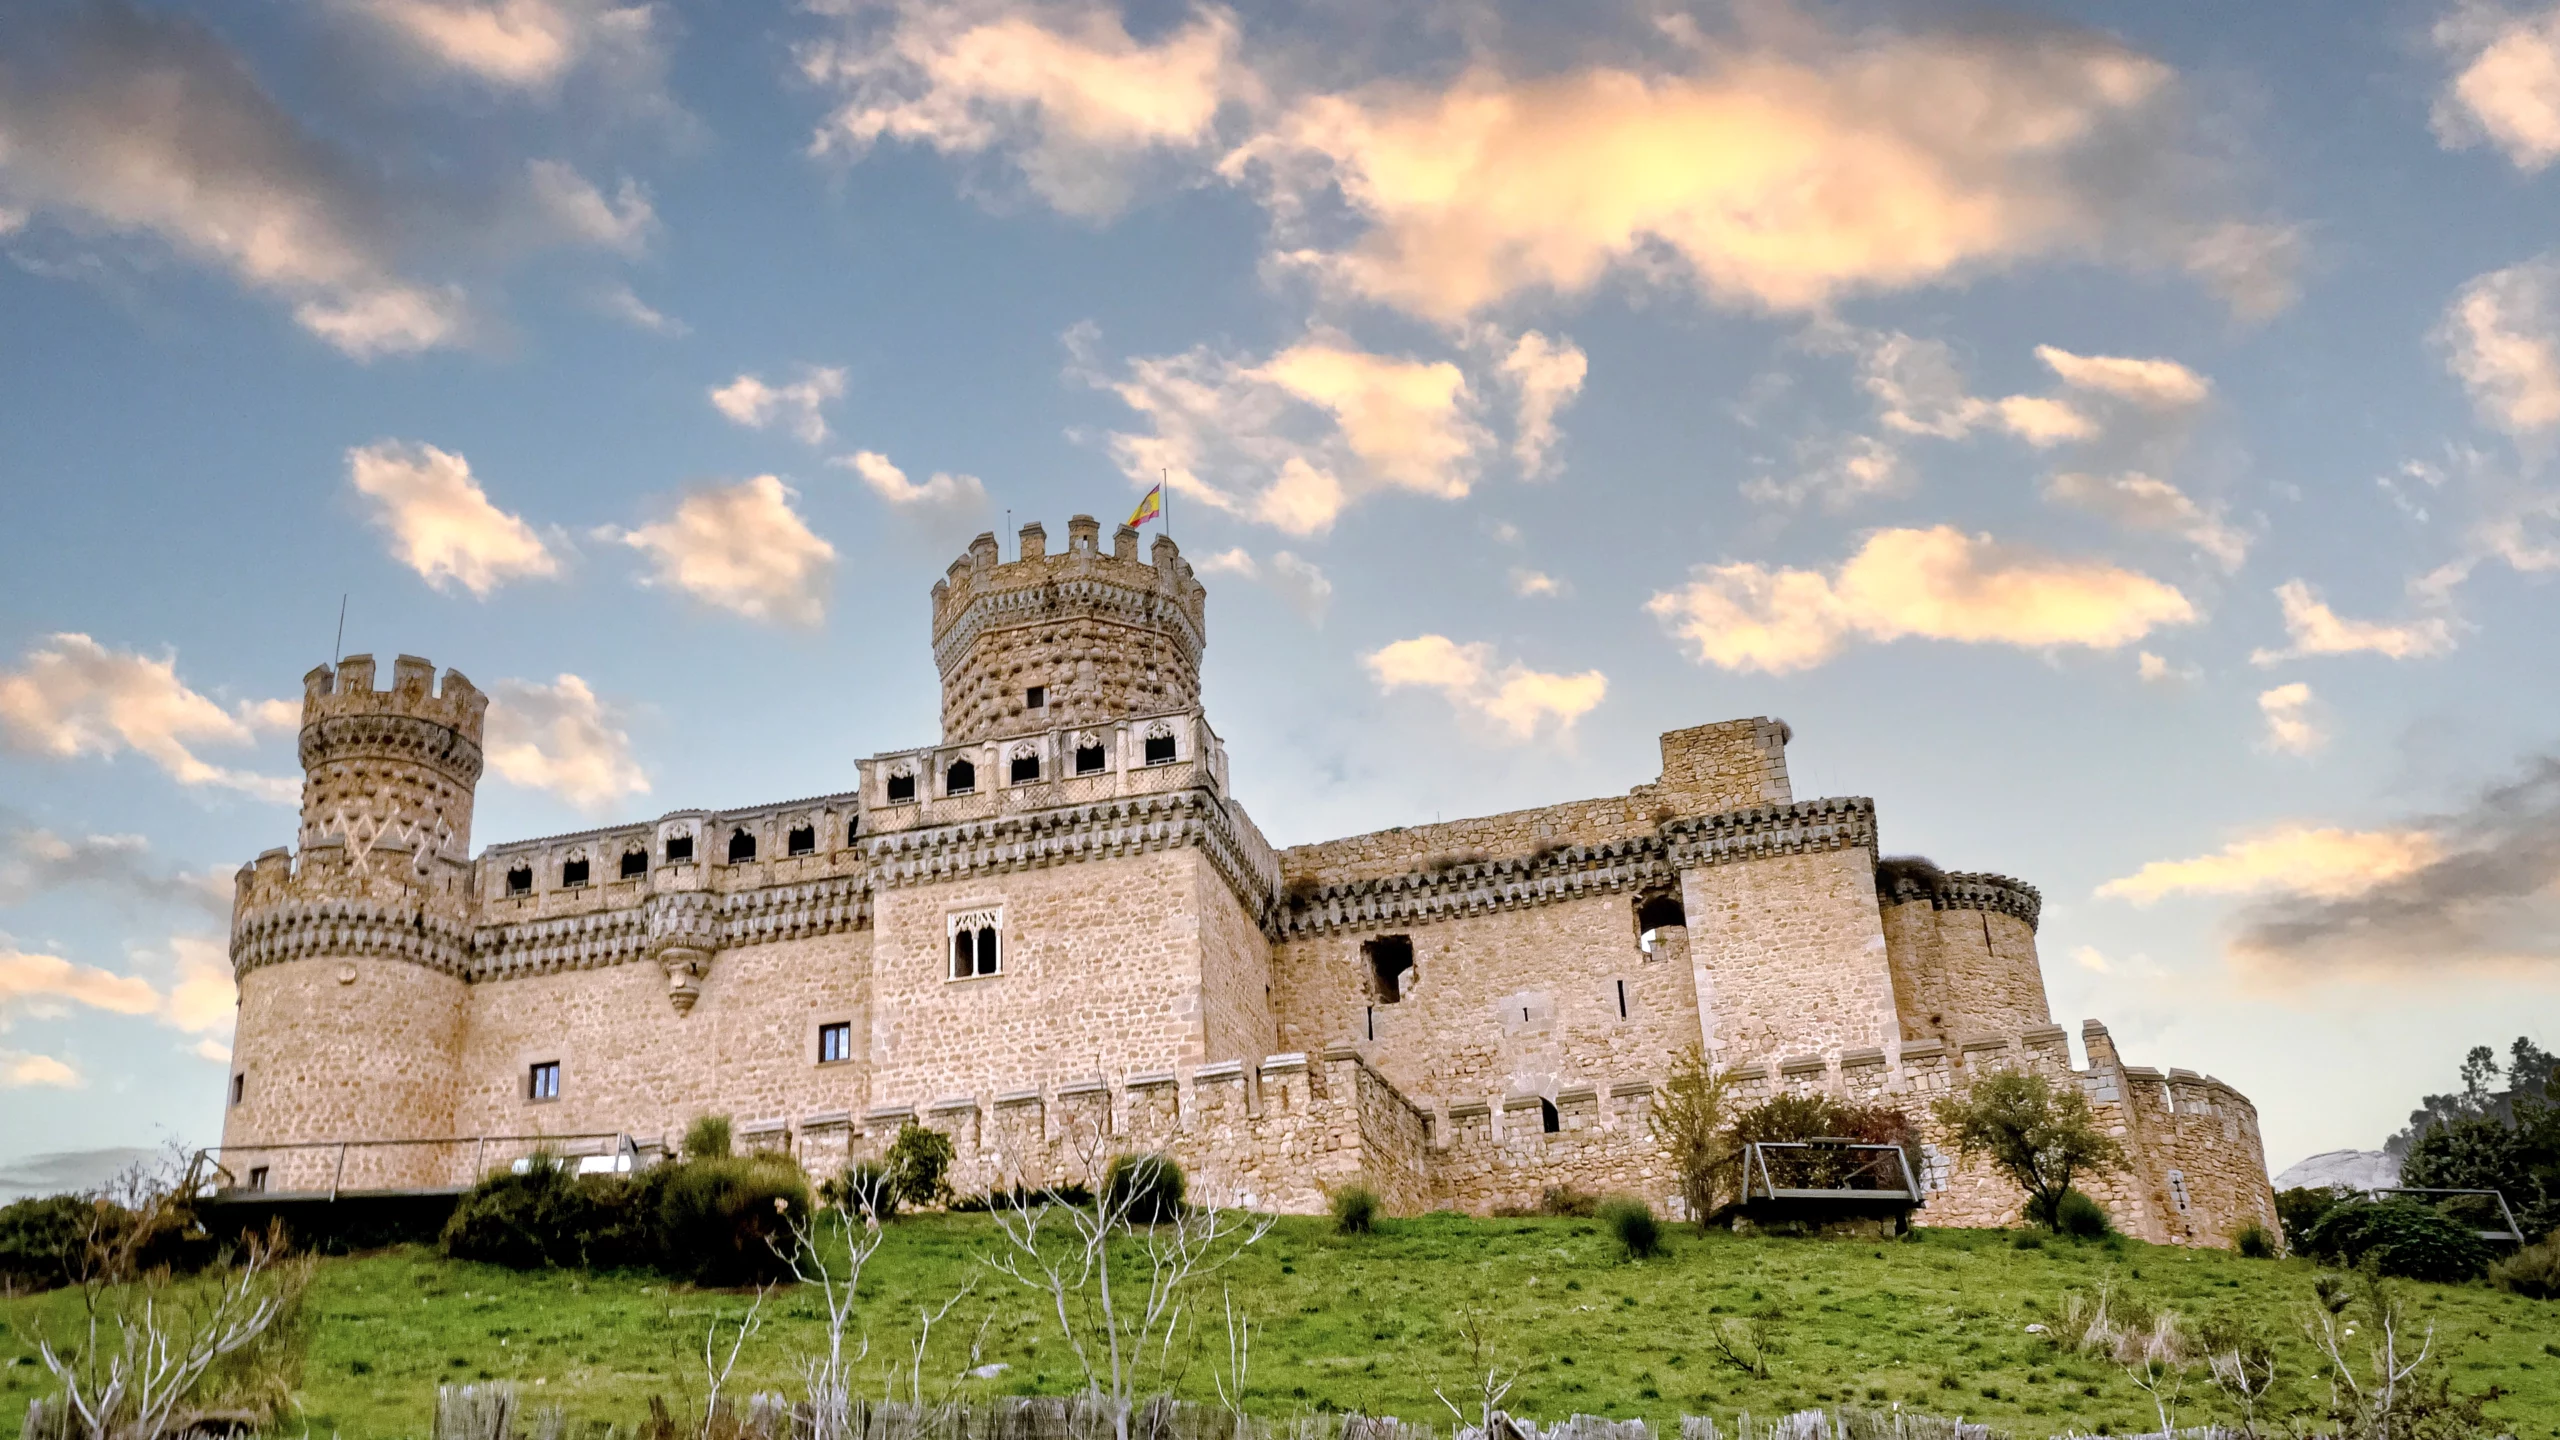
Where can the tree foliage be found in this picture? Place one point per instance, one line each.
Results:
(1691, 1119)
(2507, 1140)
(2040, 1137)
(919, 1165)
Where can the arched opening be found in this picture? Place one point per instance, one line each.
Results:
(853, 829)
(1548, 1119)
(520, 880)
(1089, 760)
(635, 863)
(679, 849)
(742, 846)
(1026, 768)
(1390, 962)
(960, 779)
(964, 954)
(902, 789)
(1160, 750)
(573, 872)
(987, 954)
(803, 840)
(1656, 913)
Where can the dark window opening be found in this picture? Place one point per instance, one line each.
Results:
(1390, 961)
(1036, 696)
(960, 779)
(835, 1042)
(742, 846)
(1622, 999)
(803, 840)
(1658, 911)
(1089, 759)
(987, 950)
(902, 789)
(853, 829)
(573, 872)
(1373, 1021)
(1548, 1119)
(635, 863)
(239, 1088)
(257, 1177)
(543, 1082)
(1159, 749)
(964, 956)
(1026, 768)
(679, 849)
(520, 880)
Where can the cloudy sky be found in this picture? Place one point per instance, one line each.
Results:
(2118, 439)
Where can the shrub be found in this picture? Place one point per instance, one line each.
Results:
(1632, 1221)
(2080, 1217)
(919, 1164)
(2036, 1133)
(1147, 1188)
(2533, 1272)
(1568, 1202)
(720, 1220)
(865, 1188)
(2399, 1237)
(707, 1138)
(2300, 1208)
(1689, 1120)
(547, 1217)
(2254, 1241)
(1355, 1210)
(43, 1241)
(1024, 1197)
(1820, 1117)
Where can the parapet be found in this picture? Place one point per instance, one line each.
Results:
(983, 587)
(1730, 765)
(1907, 881)
(348, 691)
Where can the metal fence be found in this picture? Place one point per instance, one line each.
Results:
(330, 1168)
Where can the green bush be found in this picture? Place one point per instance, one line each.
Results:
(546, 1217)
(2081, 1218)
(2533, 1272)
(2253, 1241)
(2300, 1208)
(1568, 1202)
(1355, 1210)
(919, 1165)
(728, 1221)
(42, 1241)
(1148, 1188)
(1633, 1222)
(707, 1138)
(2401, 1238)
(865, 1188)
(1024, 1197)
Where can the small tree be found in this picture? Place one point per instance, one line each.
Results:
(919, 1165)
(2037, 1136)
(1690, 1120)
(707, 1138)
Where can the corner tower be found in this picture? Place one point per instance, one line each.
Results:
(1072, 638)
(350, 953)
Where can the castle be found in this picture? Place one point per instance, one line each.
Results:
(1056, 933)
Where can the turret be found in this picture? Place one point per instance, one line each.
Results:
(1064, 638)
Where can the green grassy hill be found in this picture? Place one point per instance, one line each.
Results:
(1373, 1323)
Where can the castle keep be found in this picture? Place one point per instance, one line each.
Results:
(1056, 934)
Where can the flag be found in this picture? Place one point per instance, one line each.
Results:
(1149, 508)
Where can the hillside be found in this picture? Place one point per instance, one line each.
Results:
(1374, 1323)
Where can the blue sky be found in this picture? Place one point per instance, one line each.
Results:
(2118, 439)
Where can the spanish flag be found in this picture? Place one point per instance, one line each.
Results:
(1149, 508)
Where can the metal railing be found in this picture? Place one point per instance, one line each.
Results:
(1825, 1169)
(2512, 1235)
(406, 1164)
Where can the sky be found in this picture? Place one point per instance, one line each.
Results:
(2117, 439)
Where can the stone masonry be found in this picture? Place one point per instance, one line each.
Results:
(1055, 935)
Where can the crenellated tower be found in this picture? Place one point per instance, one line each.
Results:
(1076, 637)
(350, 952)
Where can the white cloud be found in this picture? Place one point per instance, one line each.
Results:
(208, 1048)
(203, 995)
(1514, 699)
(2315, 629)
(2291, 727)
(582, 213)
(45, 984)
(945, 503)
(751, 402)
(1235, 560)
(1936, 584)
(2143, 502)
(36, 861)
(2154, 670)
(21, 1070)
(440, 521)
(2153, 384)
(1300, 583)
(1835, 471)
(517, 44)
(1062, 90)
(72, 696)
(2043, 421)
(1545, 375)
(742, 548)
(620, 302)
(1781, 175)
(559, 737)
(1537, 584)
(2506, 88)
(2501, 339)
(2089, 957)
(2324, 862)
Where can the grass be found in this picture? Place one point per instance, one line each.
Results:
(1371, 1323)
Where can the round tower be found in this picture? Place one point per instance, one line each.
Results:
(1048, 641)
(350, 954)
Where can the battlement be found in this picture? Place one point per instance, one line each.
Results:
(981, 576)
(1909, 881)
(347, 691)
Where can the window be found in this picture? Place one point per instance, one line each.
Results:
(1160, 749)
(1390, 961)
(573, 872)
(742, 846)
(835, 1042)
(679, 849)
(520, 880)
(977, 945)
(1548, 1119)
(239, 1087)
(1026, 768)
(803, 840)
(853, 829)
(257, 1177)
(902, 789)
(2178, 1189)
(960, 779)
(1036, 697)
(543, 1081)
(1089, 759)
(1654, 914)
(635, 863)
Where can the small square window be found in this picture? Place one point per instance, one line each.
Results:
(835, 1042)
(1160, 750)
(1026, 769)
(803, 840)
(239, 1088)
(902, 789)
(573, 873)
(257, 1177)
(520, 880)
(1090, 760)
(679, 849)
(543, 1083)
(1036, 697)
